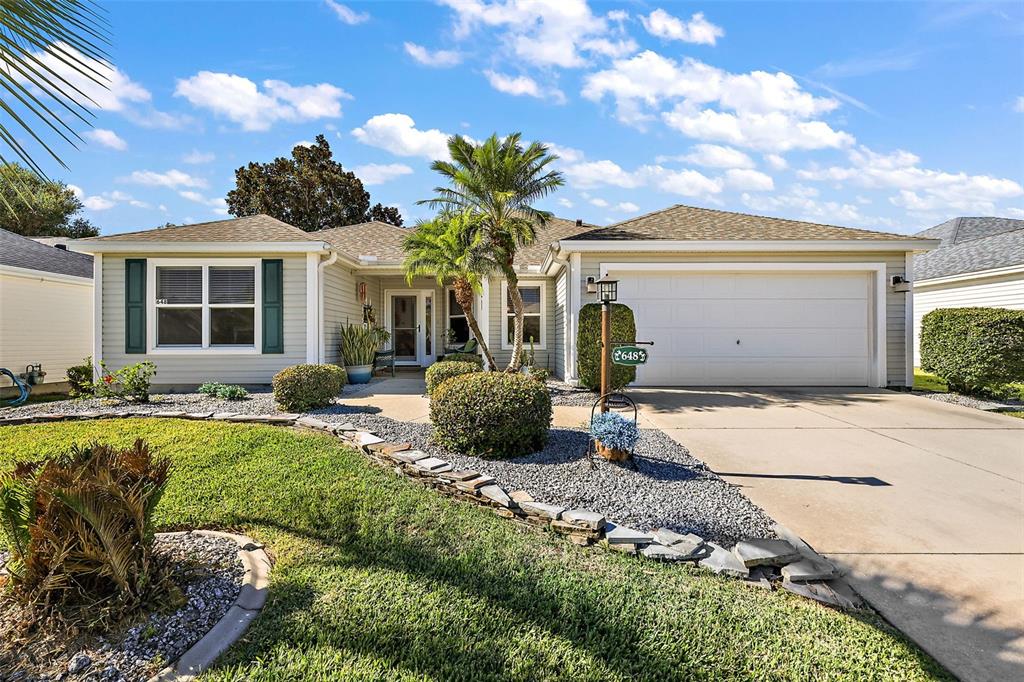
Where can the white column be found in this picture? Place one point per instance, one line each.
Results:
(908, 318)
(312, 307)
(97, 313)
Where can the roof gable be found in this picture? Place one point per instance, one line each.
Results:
(22, 252)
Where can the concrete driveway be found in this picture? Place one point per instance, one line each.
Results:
(923, 502)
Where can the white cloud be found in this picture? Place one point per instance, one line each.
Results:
(437, 58)
(565, 154)
(115, 91)
(1018, 105)
(747, 179)
(544, 32)
(196, 157)
(76, 190)
(346, 14)
(689, 183)
(698, 30)
(627, 207)
(98, 203)
(776, 161)
(918, 189)
(716, 156)
(173, 178)
(1014, 213)
(800, 206)
(303, 143)
(599, 202)
(397, 133)
(599, 174)
(607, 173)
(565, 203)
(240, 100)
(107, 138)
(218, 204)
(522, 85)
(379, 173)
(773, 131)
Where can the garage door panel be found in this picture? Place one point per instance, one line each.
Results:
(794, 329)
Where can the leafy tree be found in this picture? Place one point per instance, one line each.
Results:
(448, 248)
(40, 208)
(498, 181)
(310, 191)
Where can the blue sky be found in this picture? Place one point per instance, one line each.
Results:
(891, 116)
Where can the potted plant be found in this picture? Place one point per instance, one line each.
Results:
(359, 345)
(614, 436)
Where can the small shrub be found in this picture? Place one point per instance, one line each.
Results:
(615, 431)
(976, 350)
(538, 374)
(80, 379)
(588, 343)
(439, 372)
(79, 528)
(223, 391)
(130, 383)
(464, 357)
(494, 414)
(302, 387)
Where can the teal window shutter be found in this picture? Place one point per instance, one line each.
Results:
(273, 305)
(134, 305)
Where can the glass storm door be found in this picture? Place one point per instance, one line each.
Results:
(405, 328)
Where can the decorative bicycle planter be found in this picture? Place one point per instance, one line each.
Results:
(612, 436)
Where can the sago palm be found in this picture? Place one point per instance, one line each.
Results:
(448, 249)
(499, 181)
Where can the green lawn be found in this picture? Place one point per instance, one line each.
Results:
(378, 578)
(924, 381)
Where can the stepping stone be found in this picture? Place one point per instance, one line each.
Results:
(807, 570)
(761, 576)
(520, 496)
(473, 484)
(431, 464)
(409, 456)
(495, 493)
(190, 415)
(662, 553)
(549, 511)
(584, 519)
(365, 438)
(833, 593)
(279, 419)
(314, 423)
(677, 541)
(765, 552)
(619, 535)
(724, 562)
(347, 426)
(390, 448)
(223, 416)
(98, 415)
(624, 547)
(462, 475)
(250, 418)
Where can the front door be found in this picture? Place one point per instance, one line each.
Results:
(405, 328)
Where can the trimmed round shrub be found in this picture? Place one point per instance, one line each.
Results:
(976, 350)
(492, 414)
(588, 344)
(464, 357)
(439, 372)
(302, 387)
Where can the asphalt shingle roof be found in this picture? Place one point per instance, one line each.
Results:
(690, 223)
(22, 252)
(971, 245)
(254, 228)
(374, 238)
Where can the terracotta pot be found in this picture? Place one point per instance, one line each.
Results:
(611, 454)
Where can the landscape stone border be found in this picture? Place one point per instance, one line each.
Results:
(230, 628)
(788, 563)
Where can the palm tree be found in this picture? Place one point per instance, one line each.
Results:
(447, 248)
(67, 33)
(498, 181)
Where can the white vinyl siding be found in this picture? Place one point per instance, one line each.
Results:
(1006, 291)
(342, 306)
(197, 367)
(558, 326)
(44, 321)
(895, 263)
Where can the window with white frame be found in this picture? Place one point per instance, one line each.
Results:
(205, 304)
(457, 321)
(533, 294)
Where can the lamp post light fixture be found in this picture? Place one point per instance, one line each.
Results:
(607, 290)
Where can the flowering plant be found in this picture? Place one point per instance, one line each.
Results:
(614, 431)
(130, 383)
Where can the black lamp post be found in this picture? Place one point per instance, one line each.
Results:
(607, 292)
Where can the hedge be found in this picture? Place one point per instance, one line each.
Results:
(588, 345)
(464, 357)
(439, 372)
(493, 414)
(301, 387)
(976, 350)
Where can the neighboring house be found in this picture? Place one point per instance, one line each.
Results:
(980, 262)
(728, 299)
(45, 308)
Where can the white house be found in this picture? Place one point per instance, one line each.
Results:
(979, 263)
(45, 308)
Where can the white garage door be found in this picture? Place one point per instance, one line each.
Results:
(752, 328)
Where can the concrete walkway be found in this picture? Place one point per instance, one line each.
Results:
(922, 501)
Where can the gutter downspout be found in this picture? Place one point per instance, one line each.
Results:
(322, 346)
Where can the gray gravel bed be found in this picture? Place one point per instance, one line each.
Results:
(209, 574)
(976, 403)
(567, 394)
(669, 487)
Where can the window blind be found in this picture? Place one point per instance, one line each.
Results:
(179, 285)
(232, 285)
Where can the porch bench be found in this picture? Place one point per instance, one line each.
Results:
(383, 359)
